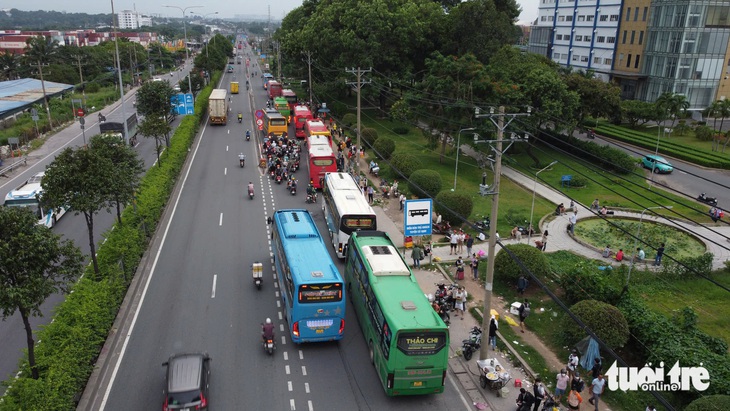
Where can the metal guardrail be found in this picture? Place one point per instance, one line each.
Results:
(19, 162)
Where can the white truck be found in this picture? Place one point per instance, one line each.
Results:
(28, 195)
(217, 107)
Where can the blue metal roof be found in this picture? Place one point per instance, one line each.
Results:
(17, 95)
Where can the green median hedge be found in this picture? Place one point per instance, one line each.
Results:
(668, 147)
(68, 347)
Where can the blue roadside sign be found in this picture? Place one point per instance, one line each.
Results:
(183, 104)
(417, 216)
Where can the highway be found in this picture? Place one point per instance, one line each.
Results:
(70, 226)
(199, 296)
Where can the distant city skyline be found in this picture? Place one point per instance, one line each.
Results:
(279, 8)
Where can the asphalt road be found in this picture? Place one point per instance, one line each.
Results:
(686, 179)
(201, 297)
(70, 226)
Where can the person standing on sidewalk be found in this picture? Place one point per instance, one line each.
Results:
(493, 327)
(370, 194)
(459, 268)
(452, 242)
(460, 242)
(539, 392)
(573, 360)
(573, 219)
(597, 387)
(561, 384)
(659, 255)
(460, 298)
(417, 255)
(475, 266)
(401, 201)
(524, 313)
(469, 244)
(544, 240)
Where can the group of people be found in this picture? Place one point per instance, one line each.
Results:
(638, 257)
(281, 153)
(458, 240)
(716, 214)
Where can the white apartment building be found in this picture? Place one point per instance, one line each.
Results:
(130, 19)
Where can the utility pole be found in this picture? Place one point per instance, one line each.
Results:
(309, 65)
(358, 86)
(501, 126)
(119, 72)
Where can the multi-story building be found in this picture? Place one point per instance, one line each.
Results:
(131, 19)
(647, 47)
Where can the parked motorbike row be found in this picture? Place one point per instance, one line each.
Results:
(442, 300)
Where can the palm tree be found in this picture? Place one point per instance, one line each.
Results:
(719, 108)
(672, 105)
(9, 65)
(41, 50)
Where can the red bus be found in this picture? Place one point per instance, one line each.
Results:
(291, 98)
(317, 128)
(301, 116)
(318, 140)
(321, 161)
(275, 89)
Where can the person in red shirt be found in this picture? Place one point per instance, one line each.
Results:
(620, 255)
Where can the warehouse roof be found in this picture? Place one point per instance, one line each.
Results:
(18, 95)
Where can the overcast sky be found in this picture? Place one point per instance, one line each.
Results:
(279, 8)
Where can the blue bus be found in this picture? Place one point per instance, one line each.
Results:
(311, 286)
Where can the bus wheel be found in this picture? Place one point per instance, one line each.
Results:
(371, 352)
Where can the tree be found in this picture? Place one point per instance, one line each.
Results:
(153, 102)
(9, 65)
(405, 163)
(157, 128)
(83, 181)
(127, 168)
(425, 183)
(34, 263)
(605, 320)
(453, 206)
(671, 105)
(719, 108)
(40, 50)
(384, 147)
(597, 97)
(637, 112)
(718, 402)
(507, 269)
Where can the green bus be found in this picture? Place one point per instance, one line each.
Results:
(407, 341)
(282, 106)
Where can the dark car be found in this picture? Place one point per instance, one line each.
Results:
(188, 379)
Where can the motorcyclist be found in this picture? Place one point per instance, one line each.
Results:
(248, 134)
(240, 117)
(267, 330)
(246, 84)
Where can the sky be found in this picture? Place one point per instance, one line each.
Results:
(279, 8)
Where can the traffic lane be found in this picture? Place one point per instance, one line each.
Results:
(686, 179)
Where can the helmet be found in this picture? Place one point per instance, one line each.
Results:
(268, 321)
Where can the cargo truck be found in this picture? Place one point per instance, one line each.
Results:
(234, 87)
(110, 126)
(217, 110)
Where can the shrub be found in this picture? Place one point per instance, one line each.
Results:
(384, 147)
(400, 130)
(584, 279)
(454, 207)
(425, 183)
(578, 182)
(506, 269)
(369, 136)
(704, 133)
(710, 403)
(605, 320)
(92, 87)
(349, 120)
(405, 163)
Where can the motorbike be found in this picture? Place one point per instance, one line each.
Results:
(483, 224)
(293, 190)
(269, 346)
(442, 228)
(248, 136)
(240, 119)
(241, 161)
(444, 295)
(278, 178)
(257, 269)
(311, 198)
(473, 343)
(250, 193)
(706, 199)
(591, 134)
(374, 169)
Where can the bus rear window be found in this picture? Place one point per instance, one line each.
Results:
(323, 161)
(421, 343)
(320, 293)
(278, 122)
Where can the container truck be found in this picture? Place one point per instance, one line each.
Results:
(217, 110)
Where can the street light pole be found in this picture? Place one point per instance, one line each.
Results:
(119, 72)
(458, 148)
(532, 209)
(636, 244)
(185, 33)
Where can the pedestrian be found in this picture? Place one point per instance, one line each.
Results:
(597, 368)
(475, 266)
(561, 385)
(524, 400)
(460, 242)
(522, 284)
(577, 384)
(640, 255)
(493, 327)
(370, 194)
(459, 268)
(573, 360)
(417, 255)
(606, 252)
(597, 387)
(469, 244)
(460, 298)
(452, 242)
(401, 202)
(572, 206)
(539, 393)
(573, 219)
(620, 255)
(595, 205)
(517, 234)
(544, 240)
(524, 312)
(659, 255)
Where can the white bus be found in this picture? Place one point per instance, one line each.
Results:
(28, 195)
(345, 209)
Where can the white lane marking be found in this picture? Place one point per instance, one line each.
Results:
(288, 371)
(301, 354)
(283, 340)
(278, 304)
(311, 407)
(281, 327)
(292, 407)
(149, 279)
(304, 370)
(290, 386)
(226, 148)
(220, 220)
(286, 356)
(280, 316)
(306, 387)
(215, 280)
(225, 171)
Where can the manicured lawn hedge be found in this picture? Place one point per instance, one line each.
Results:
(67, 349)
